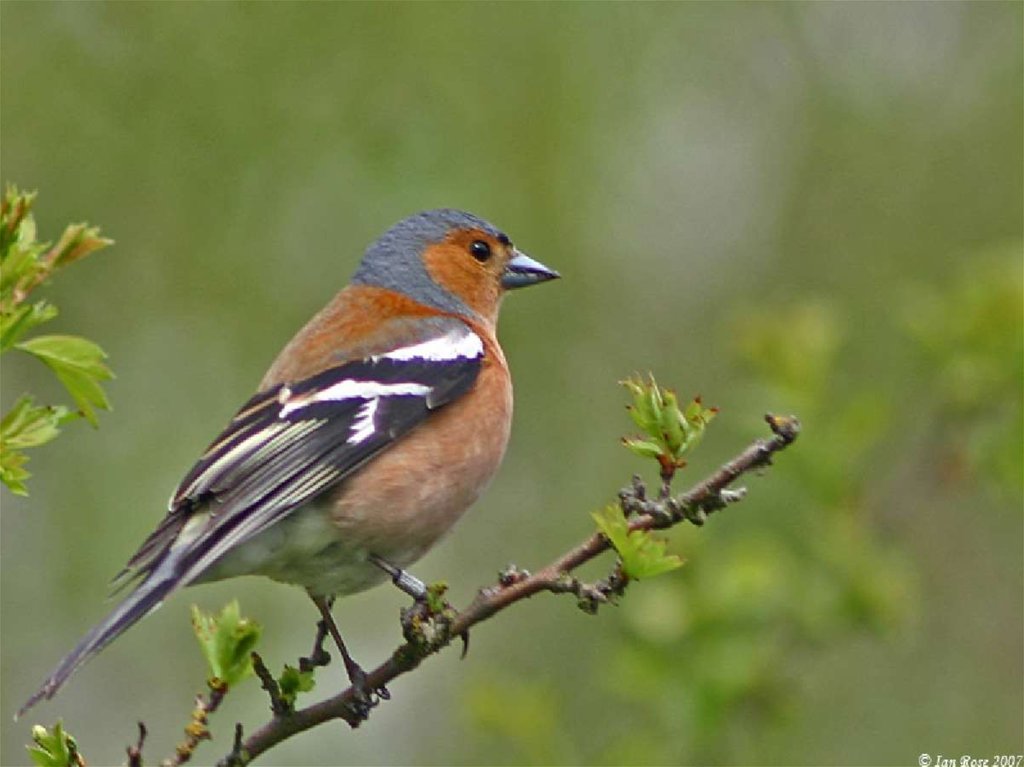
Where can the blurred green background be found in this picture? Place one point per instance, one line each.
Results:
(808, 208)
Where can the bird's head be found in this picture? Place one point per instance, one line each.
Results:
(450, 260)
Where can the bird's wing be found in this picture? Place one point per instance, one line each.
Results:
(295, 440)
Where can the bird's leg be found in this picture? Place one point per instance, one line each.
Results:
(406, 582)
(356, 675)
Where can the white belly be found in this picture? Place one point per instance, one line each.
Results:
(302, 549)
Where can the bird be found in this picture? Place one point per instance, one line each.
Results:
(380, 422)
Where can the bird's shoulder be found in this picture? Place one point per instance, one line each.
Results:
(363, 321)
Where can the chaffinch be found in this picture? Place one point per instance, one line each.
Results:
(376, 427)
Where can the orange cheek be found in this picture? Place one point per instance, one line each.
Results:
(454, 270)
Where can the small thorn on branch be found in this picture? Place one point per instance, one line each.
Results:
(277, 703)
(714, 502)
(238, 757)
(135, 750)
(590, 596)
(733, 496)
(639, 488)
(695, 514)
(512, 575)
(633, 501)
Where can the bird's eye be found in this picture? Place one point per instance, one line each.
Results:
(481, 250)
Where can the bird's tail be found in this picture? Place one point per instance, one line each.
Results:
(146, 597)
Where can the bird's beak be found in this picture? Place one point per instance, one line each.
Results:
(522, 271)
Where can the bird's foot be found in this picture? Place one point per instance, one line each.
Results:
(364, 696)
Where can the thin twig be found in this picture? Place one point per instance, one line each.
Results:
(426, 634)
(196, 731)
(135, 750)
(237, 757)
(277, 704)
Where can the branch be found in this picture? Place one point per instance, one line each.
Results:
(196, 731)
(427, 631)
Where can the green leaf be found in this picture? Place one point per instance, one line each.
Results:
(649, 557)
(30, 425)
(227, 641)
(645, 410)
(292, 682)
(22, 319)
(16, 227)
(54, 749)
(26, 263)
(435, 597)
(642, 555)
(673, 424)
(612, 523)
(642, 448)
(19, 251)
(655, 402)
(11, 472)
(78, 364)
(669, 431)
(26, 425)
(20, 266)
(78, 241)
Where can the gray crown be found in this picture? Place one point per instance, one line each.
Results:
(395, 260)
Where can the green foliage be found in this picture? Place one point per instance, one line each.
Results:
(670, 432)
(796, 354)
(227, 641)
(525, 714)
(26, 425)
(969, 345)
(436, 602)
(55, 748)
(25, 265)
(795, 348)
(642, 555)
(850, 578)
(22, 319)
(78, 364)
(293, 681)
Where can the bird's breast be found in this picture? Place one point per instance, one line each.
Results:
(409, 496)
